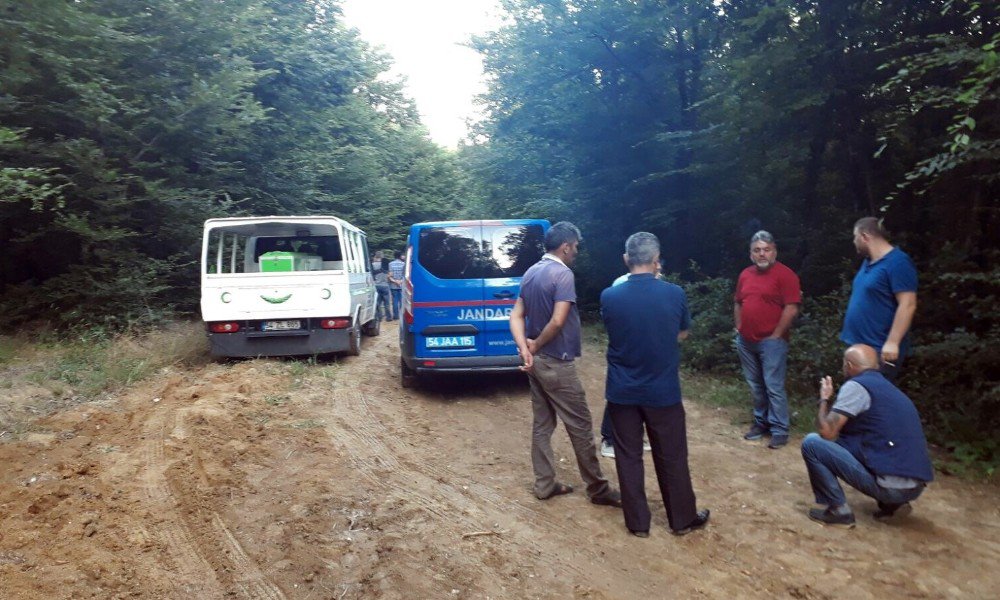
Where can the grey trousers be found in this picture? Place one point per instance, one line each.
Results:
(556, 391)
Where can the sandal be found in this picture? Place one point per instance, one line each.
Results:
(558, 490)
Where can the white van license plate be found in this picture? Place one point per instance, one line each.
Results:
(462, 341)
(280, 325)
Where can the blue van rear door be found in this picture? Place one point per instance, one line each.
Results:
(446, 275)
(509, 248)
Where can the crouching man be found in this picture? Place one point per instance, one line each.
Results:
(870, 437)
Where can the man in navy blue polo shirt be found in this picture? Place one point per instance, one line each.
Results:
(883, 298)
(645, 318)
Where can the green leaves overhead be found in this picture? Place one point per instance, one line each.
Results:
(123, 125)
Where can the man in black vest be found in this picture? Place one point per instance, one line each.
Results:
(870, 437)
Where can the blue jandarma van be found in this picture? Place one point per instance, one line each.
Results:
(462, 279)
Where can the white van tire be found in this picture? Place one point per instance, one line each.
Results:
(372, 328)
(354, 349)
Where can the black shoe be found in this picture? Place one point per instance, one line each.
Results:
(756, 432)
(777, 441)
(890, 511)
(828, 517)
(699, 521)
(612, 498)
(639, 534)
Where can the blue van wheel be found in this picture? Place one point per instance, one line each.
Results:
(407, 376)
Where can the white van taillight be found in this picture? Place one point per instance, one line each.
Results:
(335, 323)
(226, 327)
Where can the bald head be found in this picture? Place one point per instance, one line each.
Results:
(858, 358)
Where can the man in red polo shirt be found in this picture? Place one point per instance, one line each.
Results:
(767, 301)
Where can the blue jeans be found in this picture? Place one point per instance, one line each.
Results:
(764, 364)
(397, 299)
(382, 310)
(826, 461)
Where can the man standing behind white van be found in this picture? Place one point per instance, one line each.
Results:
(396, 268)
(545, 325)
(380, 273)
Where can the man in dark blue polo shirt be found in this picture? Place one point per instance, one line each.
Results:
(883, 298)
(645, 318)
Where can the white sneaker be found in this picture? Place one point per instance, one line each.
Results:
(646, 446)
(607, 449)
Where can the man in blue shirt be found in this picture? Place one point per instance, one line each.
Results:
(883, 298)
(645, 319)
(396, 269)
(545, 324)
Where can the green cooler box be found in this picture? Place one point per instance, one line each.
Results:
(286, 262)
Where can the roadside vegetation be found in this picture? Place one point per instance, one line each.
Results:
(48, 371)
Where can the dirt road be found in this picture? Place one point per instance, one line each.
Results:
(275, 479)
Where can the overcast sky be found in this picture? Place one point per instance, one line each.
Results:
(425, 39)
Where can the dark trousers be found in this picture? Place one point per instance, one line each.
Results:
(668, 437)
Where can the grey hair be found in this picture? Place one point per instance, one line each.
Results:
(641, 248)
(561, 233)
(762, 236)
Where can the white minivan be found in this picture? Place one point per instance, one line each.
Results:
(286, 286)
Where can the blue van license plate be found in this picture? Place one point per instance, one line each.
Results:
(462, 341)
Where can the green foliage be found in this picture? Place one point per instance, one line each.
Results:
(125, 125)
(710, 346)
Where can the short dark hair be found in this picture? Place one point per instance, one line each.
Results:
(641, 248)
(561, 233)
(872, 226)
(399, 254)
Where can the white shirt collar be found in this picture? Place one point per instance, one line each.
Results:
(551, 256)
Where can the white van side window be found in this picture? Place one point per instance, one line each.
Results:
(359, 253)
(349, 247)
(367, 256)
(225, 252)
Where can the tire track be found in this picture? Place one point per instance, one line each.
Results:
(250, 579)
(190, 555)
(172, 533)
(368, 438)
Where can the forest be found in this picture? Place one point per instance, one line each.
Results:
(124, 125)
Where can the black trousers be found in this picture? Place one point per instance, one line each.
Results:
(668, 437)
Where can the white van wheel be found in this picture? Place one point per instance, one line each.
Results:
(355, 343)
(373, 328)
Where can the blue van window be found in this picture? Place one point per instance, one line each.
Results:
(511, 249)
(450, 252)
